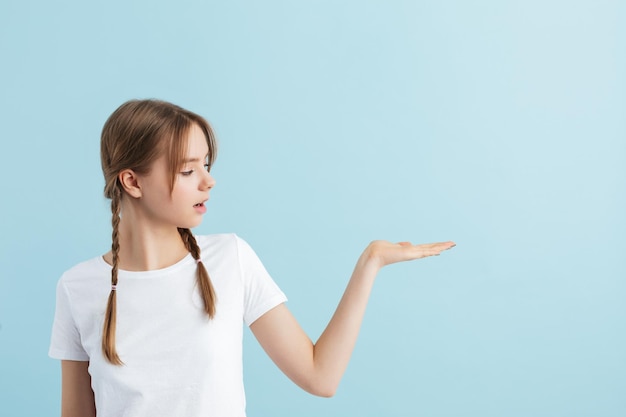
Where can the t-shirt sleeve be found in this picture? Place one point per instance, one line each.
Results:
(65, 341)
(261, 293)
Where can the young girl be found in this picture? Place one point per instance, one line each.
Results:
(154, 327)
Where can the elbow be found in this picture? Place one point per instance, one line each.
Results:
(322, 390)
(326, 393)
(320, 384)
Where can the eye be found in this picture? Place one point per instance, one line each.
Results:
(207, 166)
(187, 173)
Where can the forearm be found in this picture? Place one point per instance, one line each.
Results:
(318, 367)
(333, 349)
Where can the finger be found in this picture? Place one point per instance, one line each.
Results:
(423, 252)
(434, 249)
(441, 245)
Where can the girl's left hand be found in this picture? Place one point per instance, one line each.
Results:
(318, 367)
(382, 253)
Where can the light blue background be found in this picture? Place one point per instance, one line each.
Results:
(498, 124)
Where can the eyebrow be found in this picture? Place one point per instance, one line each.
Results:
(187, 160)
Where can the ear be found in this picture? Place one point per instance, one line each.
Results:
(130, 183)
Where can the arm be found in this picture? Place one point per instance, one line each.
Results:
(77, 398)
(318, 368)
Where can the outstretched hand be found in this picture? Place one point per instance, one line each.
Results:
(318, 367)
(384, 253)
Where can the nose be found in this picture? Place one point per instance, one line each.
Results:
(208, 181)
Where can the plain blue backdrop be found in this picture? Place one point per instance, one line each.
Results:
(498, 124)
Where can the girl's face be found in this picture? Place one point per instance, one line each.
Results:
(184, 205)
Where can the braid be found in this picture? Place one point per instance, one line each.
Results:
(202, 276)
(135, 135)
(108, 332)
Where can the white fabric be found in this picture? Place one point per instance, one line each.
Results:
(177, 362)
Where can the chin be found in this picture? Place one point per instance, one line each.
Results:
(190, 225)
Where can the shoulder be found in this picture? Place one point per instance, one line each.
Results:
(224, 245)
(85, 279)
(217, 242)
(221, 241)
(218, 246)
(94, 267)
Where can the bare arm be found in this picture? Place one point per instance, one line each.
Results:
(318, 368)
(77, 398)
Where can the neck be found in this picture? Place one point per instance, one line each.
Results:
(145, 247)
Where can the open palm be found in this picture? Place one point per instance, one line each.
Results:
(386, 253)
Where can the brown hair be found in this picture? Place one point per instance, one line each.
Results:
(133, 137)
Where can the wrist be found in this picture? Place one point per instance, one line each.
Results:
(369, 261)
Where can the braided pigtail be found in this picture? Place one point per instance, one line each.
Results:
(108, 332)
(202, 276)
(135, 135)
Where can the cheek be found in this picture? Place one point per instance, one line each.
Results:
(158, 196)
(182, 190)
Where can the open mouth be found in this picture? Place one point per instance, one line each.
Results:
(198, 205)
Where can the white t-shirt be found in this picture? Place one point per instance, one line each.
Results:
(177, 362)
